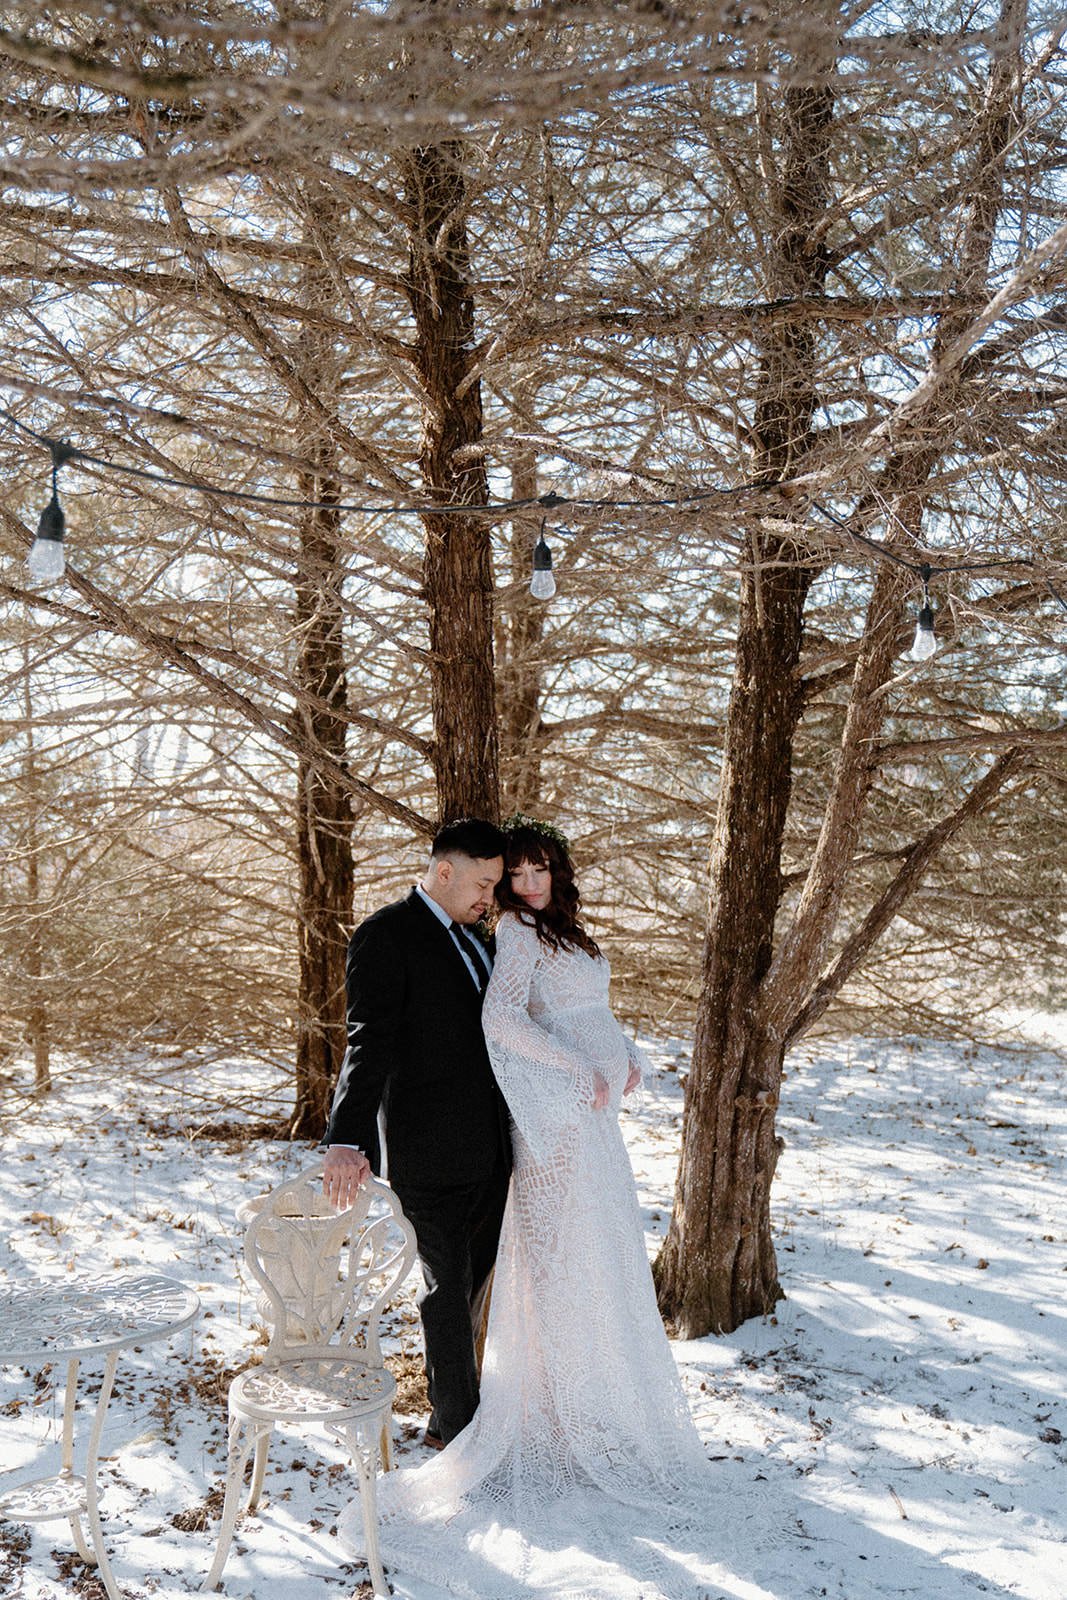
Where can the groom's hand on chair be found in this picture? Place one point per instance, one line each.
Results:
(344, 1172)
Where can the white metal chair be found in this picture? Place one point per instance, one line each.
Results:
(325, 1277)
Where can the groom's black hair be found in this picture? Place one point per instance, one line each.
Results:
(470, 836)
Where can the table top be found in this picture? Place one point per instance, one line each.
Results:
(45, 1319)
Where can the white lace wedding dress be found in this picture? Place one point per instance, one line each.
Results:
(582, 1475)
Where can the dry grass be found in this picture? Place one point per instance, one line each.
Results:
(410, 1374)
(198, 1518)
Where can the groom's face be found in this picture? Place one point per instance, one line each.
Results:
(465, 886)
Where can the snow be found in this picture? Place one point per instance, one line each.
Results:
(902, 1413)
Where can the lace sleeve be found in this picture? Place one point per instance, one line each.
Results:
(637, 1058)
(544, 1081)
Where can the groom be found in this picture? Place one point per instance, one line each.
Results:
(415, 979)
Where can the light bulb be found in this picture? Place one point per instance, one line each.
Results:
(925, 642)
(542, 584)
(45, 560)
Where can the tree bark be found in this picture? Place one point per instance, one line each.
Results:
(323, 801)
(519, 679)
(457, 567)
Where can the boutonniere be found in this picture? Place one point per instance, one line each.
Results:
(482, 932)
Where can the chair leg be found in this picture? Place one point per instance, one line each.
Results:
(259, 1465)
(78, 1535)
(236, 1455)
(364, 1446)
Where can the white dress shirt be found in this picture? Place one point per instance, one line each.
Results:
(471, 949)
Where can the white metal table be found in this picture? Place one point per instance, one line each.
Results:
(48, 1321)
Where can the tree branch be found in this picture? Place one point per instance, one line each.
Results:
(119, 619)
(907, 880)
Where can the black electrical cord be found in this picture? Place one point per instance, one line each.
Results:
(63, 451)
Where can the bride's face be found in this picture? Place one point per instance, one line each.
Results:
(532, 882)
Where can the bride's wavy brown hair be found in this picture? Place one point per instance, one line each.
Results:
(557, 925)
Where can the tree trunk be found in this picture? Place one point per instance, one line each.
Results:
(457, 568)
(803, 948)
(323, 809)
(519, 678)
(717, 1266)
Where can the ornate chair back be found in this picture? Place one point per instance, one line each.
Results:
(325, 1275)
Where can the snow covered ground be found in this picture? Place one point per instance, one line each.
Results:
(902, 1415)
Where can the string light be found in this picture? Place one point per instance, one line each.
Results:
(46, 560)
(542, 583)
(924, 644)
(547, 502)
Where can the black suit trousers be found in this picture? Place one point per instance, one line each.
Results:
(458, 1230)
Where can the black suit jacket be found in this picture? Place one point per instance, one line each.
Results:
(415, 1047)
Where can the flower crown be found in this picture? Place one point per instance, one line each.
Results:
(548, 830)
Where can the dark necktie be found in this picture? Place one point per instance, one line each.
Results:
(474, 955)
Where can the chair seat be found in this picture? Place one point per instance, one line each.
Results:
(313, 1390)
(45, 1499)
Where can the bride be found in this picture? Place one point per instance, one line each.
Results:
(581, 1473)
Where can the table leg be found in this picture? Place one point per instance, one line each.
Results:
(70, 1406)
(91, 1495)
